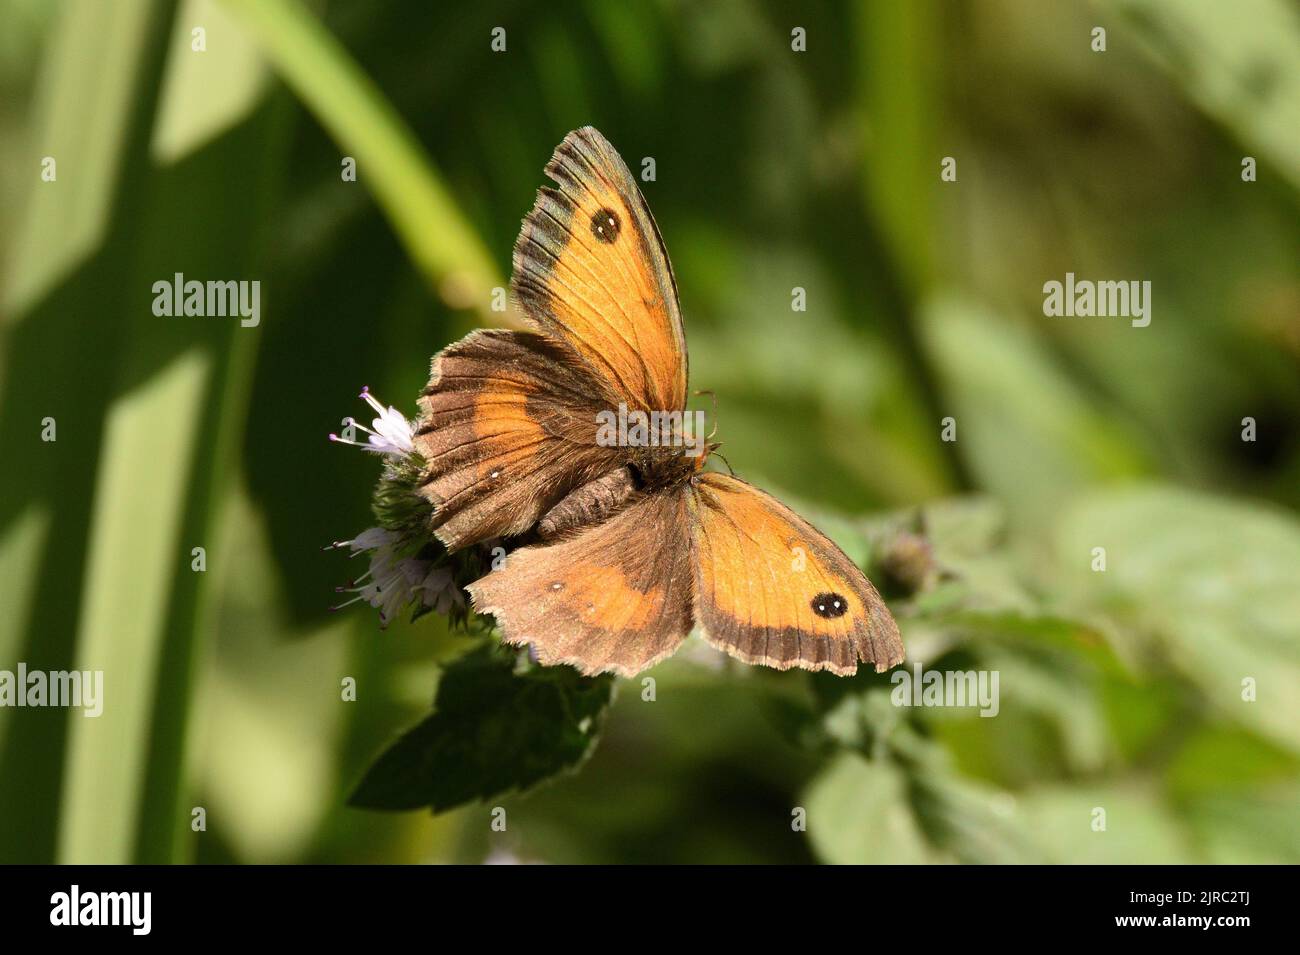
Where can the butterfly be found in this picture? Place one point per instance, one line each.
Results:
(623, 549)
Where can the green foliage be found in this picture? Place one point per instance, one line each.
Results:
(1128, 690)
(1212, 588)
(1235, 62)
(500, 724)
(1197, 592)
(310, 60)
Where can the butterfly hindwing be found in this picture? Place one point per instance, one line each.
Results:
(591, 271)
(772, 589)
(613, 597)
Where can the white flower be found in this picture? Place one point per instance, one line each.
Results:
(371, 539)
(390, 433)
(439, 592)
(391, 583)
(387, 582)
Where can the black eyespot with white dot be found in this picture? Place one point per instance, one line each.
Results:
(605, 225)
(829, 605)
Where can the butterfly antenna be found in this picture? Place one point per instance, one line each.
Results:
(726, 462)
(713, 413)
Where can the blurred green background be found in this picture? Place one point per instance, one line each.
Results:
(776, 169)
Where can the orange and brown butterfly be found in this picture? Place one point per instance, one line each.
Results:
(622, 550)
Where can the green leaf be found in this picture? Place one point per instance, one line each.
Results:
(1068, 639)
(858, 813)
(1140, 828)
(976, 823)
(906, 804)
(1228, 758)
(1236, 61)
(495, 729)
(1213, 582)
(1048, 717)
(1033, 453)
(1256, 827)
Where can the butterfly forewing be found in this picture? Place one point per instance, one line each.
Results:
(506, 431)
(590, 270)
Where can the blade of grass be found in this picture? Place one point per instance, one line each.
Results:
(204, 129)
(82, 109)
(133, 561)
(20, 548)
(67, 348)
(206, 94)
(390, 160)
(899, 82)
(900, 46)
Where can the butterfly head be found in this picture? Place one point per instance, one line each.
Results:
(703, 458)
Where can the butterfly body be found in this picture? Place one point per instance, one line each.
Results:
(626, 546)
